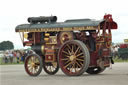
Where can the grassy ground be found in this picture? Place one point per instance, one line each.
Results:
(120, 60)
(2, 63)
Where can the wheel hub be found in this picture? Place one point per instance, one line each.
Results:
(72, 57)
(32, 64)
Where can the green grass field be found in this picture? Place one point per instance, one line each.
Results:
(2, 63)
(0, 60)
(120, 60)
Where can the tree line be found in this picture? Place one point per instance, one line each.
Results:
(6, 45)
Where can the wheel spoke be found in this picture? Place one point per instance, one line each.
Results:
(67, 56)
(73, 66)
(65, 52)
(36, 59)
(79, 59)
(76, 68)
(72, 49)
(32, 59)
(67, 65)
(30, 69)
(69, 47)
(50, 69)
(79, 54)
(37, 67)
(69, 51)
(81, 64)
(28, 65)
(37, 64)
(33, 70)
(77, 50)
(65, 59)
(36, 70)
(78, 64)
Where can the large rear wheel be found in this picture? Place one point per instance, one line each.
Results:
(74, 58)
(33, 65)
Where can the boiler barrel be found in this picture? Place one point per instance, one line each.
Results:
(39, 49)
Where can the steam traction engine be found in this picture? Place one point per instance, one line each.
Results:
(75, 46)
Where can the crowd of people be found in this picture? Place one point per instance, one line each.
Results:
(15, 56)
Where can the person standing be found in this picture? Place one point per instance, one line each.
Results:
(116, 51)
(11, 56)
(5, 59)
(14, 57)
(18, 56)
(112, 54)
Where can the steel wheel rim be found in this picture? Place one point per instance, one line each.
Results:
(72, 58)
(32, 65)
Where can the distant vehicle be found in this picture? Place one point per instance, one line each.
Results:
(123, 51)
(76, 46)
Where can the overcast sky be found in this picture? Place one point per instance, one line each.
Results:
(15, 12)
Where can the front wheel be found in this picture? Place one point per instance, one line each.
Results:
(33, 65)
(74, 58)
